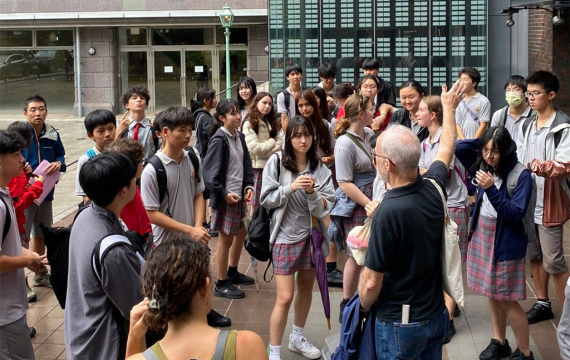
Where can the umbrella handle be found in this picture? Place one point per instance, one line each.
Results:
(314, 221)
(329, 323)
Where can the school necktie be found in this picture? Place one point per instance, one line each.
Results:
(136, 131)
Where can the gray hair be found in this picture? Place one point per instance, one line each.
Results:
(402, 146)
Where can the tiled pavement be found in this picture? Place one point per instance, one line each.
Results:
(253, 312)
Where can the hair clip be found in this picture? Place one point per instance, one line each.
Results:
(157, 301)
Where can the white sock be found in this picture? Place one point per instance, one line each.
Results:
(297, 332)
(274, 352)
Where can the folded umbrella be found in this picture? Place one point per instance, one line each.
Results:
(317, 240)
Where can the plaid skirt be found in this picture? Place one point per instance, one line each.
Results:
(257, 174)
(228, 218)
(461, 218)
(498, 280)
(358, 216)
(290, 258)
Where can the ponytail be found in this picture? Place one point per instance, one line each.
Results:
(340, 127)
(197, 102)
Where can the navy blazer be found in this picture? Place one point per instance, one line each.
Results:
(215, 167)
(510, 237)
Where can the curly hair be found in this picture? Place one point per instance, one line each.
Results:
(132, 148)
(135, 90)
(175, 271)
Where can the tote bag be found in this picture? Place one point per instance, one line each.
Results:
(452, 277)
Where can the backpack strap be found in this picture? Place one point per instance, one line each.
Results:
(359, 145)
(7, 220)
(161, 177)
(503, 117)
(271, 216)
(221, 344)
(195, 163)
(513, 177)
(286, 96)
(466, 107)
(149, 354)
(103, 246)
(90, 153)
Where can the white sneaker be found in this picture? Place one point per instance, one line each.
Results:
(303, 347)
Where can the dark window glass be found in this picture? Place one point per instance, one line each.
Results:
(182, 36)
(132, 36)
(55, 37)
(15, 38)
(237, 35)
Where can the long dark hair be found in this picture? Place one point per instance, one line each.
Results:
(296, 124)
(254, 116)
(323, 137)
(225, 106)
(501, 139)
(248, 83)
(321, 94)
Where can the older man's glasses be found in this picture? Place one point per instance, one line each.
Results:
(374, 155)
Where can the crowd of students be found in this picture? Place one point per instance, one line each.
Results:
(311, 160)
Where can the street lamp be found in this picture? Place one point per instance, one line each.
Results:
(226, 18)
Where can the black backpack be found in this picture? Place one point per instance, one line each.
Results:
(259, 231)
(503, 116)
(57, 244)
(7, 221)
(161, 177)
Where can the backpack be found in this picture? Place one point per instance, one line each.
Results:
(57, 244)
(204, 138)
(259, 231)
(526, 124)
(161, 178)
(503, 116)
(287, 97)
(90, 154)
(357, 340)
(7, 220)
(528, 219)
(132, 240)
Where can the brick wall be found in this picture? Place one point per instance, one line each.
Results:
(549, 49)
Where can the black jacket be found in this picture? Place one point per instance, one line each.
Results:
(386, 94)
(215, 167)
(402, 117)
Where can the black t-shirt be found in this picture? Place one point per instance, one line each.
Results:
(405, 245)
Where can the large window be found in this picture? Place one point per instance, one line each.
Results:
(37, 62)
(427, 40)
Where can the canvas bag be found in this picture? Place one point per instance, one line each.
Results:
(451, 277)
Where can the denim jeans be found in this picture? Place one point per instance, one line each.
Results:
(419, 340)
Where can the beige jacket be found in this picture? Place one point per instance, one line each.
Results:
(261, 146)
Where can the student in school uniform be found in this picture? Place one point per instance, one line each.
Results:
(228, 175)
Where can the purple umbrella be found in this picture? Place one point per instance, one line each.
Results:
(317, 239)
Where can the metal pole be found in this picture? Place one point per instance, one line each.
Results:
(78, 72)
(228, 81)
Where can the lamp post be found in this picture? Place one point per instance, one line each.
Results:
(226, 18)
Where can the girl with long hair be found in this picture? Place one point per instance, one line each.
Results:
(299, 189)
(177, 286)
(500, 231)
(262, 138)
(355, 174)
(201, 106)
(229, 177)
(430, 117)
(246, 93)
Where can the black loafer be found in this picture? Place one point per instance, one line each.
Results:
(538, 313)
(334, 278)
(216, 319)
(452, 332)
(32, 332)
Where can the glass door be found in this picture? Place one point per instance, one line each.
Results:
(168, 79)
(199, 72)
(238, 69)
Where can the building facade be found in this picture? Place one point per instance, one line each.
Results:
(88, 52)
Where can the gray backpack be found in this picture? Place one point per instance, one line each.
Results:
(528, 220)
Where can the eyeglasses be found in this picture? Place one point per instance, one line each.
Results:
(534, 94)
(493, 153)
(383, 157)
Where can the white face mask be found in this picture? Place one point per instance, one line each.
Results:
(514, 99)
